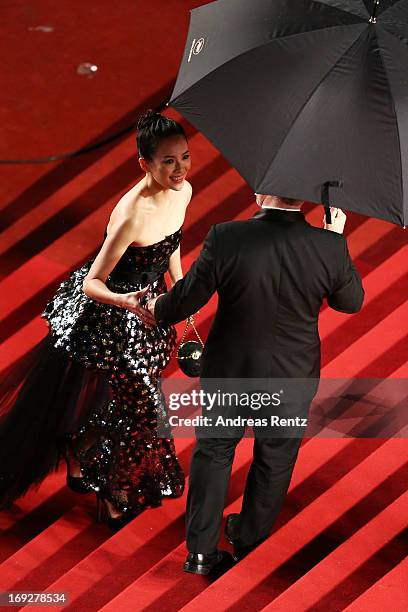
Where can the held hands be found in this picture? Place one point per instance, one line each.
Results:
(131, 301)
(150, 305)
(338, 218)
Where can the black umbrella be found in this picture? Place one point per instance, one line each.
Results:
(304, 95)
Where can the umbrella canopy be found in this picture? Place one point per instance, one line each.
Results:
(298, 94)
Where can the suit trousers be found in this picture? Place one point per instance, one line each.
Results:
(266, 486)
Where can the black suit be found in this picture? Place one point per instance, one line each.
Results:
(272, 273)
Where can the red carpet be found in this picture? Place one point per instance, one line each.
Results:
(340, 542)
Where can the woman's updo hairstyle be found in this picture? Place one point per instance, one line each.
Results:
(152, 128)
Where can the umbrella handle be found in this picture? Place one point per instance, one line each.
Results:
(326, 200)
(373, 18)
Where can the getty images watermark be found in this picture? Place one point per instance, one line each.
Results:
(330, 408)
(223, 402)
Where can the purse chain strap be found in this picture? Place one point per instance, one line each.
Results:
(190, 321)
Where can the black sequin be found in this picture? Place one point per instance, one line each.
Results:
(119, 451)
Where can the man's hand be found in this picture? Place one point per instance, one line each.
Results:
(338, 218)
(131, 301)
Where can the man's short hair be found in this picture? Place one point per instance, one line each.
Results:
(289, 200)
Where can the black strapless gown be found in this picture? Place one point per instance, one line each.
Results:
(92, 386)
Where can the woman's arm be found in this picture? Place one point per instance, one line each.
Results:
(112, 250)
(175, 269)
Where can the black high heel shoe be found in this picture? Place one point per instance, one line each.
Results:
(114, 522)
(78, 484)
(75, 483)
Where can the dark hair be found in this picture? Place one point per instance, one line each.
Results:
(289, 200)
(152, 128)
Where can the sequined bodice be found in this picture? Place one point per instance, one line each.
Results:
(88, 329)
(150, 259)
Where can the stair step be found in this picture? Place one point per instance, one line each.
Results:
(131, 552)
(346, 559)
(166, 585)
(233, 587)
(389, 593)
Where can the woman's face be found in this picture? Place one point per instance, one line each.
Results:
(171, 163)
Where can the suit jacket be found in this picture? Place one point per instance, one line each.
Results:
(271, 273)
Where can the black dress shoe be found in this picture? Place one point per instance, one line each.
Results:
(232, 535)
(203, 564)
(240, 553)
(231, 528)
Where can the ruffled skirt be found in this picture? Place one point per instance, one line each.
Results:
(92, 388)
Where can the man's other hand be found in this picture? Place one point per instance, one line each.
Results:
(338, 218)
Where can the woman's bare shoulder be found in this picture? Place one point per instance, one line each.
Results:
(186, 193)
(128, 202)
(188, 188)
(127, 210)
(124, 226)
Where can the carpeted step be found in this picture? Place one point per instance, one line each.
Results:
(113, 565)
(389, 593)
(354, 361)
(238, 586)
(166, 585)
(319, 588)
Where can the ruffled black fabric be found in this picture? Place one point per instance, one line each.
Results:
(93, 386)
(43, 397)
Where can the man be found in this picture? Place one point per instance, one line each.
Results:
(271, 273)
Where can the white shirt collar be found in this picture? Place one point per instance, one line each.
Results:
(287, 209)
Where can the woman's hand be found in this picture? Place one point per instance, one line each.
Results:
(131, 302)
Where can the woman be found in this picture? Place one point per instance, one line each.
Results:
(91, 390)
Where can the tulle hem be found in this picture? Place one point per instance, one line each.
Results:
(44, 397)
